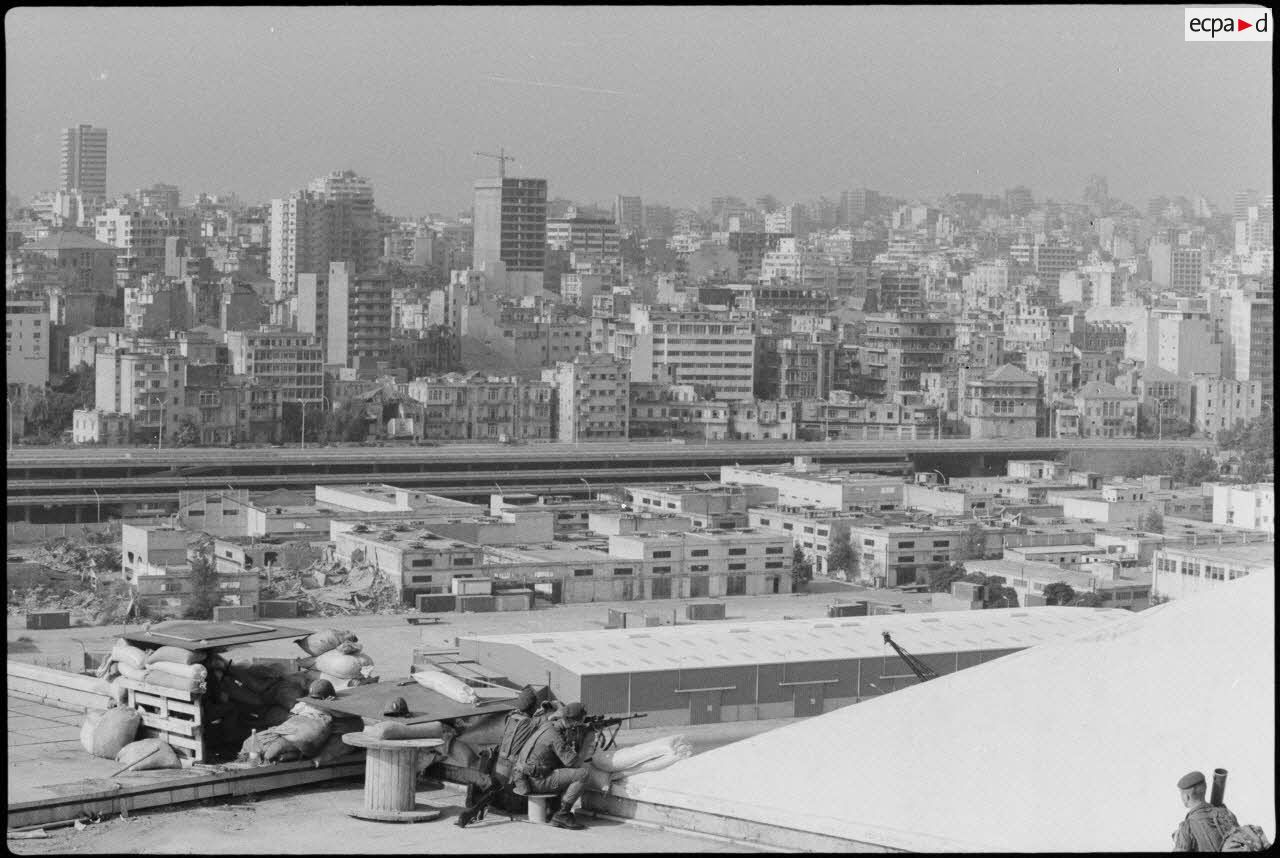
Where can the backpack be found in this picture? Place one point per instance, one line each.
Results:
(1245, 838)
(518, 730)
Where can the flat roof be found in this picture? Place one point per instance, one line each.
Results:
(1252, 552)
(730, 644)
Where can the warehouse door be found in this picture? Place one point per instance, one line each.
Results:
(699, 586)
(662, 587)
(704, 707)
(809, 700)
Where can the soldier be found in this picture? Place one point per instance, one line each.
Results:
(1205, 826)
(549, 763)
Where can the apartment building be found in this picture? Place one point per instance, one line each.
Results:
(805, 484)
(1218, 403)
(1005, 404)
(510, 226)
(897, 347)
(1184, 570)
(692, 347)
(291, 361)
(472, 406)
(900, 554)
(592, 398)
(1106, 411)
(27, 341)
(1252, 507)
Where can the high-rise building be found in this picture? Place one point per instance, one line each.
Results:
(628, 214)
(857, 205)
(1018, 200)
(592, 394)
(1240, 203)
(359, 318)
(1096, 194)
(1179, 267)
(897, 347)
(1180, 339)
(333, 220)
(84, 160)
(510, 226)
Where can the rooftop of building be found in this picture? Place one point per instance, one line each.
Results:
(1065, 712)
(1102, 390)
(67, 240)
(1260, 553)
(780, 641)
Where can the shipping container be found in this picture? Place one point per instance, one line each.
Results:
(277, 608)
(434, 603)
(705, 611)
(475, 603)
(472, 586)
(513, 600)
(49, 620)
(227, 613)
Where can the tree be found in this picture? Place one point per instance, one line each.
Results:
(973, 545)
(841, 558)
(1059, 593)
(941, 578)
(346, 423)
(1088, 600)
(801, 570)
(187, 434)
(204, 584)
(1255, 469)
(1152, 522)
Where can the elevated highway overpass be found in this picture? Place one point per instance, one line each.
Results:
(72, 484)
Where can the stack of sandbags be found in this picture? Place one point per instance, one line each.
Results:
(647, 757)
(177, 668)
(338, 657)
(104, 734)
(302, 736)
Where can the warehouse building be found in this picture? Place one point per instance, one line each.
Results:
(700, 674)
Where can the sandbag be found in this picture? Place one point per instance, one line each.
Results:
(449, 686)
(392, 730)
(272, 747)
(305, 733)
(340, 682)
(148, 754)
(335, 663)
(196, 672)
(123, 652)
(323, 641)
(128, 671)
(110, 731)
(349, 648)
(622, 759)
(178, 683)
(653, 765)
(174, 654)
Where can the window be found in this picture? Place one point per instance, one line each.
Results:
(231, 512)
(625, 570)
(774, 549)
(661, 555)
(421, 579)
(942, 543)
(764, 522)
(662, 570)
(774, 564)
(464, 561)
(787, 526)
(736, 567)
(699, 552)
(699, 567)
(418, 563)
(737, 552)
(908, 544)
(582, 573)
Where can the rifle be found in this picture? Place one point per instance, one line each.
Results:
(480, 795)
(606, 727)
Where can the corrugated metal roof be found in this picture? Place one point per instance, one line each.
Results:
(691, 647)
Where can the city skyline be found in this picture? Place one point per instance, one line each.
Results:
(1036, 99)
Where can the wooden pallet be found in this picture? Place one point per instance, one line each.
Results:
(168, 714)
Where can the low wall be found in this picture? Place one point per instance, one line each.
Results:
(56, 687)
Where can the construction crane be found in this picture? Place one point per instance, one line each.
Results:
(918, 667)
(502, 158)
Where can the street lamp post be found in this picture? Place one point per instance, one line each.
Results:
(10, 401)
(99, 498)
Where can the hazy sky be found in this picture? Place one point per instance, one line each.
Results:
(676, 104)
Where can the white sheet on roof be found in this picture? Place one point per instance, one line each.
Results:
(1071, 746)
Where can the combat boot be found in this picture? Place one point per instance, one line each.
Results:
(566, 819)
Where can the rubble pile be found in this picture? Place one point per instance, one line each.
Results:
(82, 577)
(328, 589)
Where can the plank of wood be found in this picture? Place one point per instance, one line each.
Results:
(169, 725)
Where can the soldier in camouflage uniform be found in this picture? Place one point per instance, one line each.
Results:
(1205, 826)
